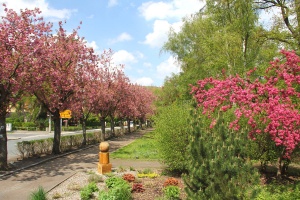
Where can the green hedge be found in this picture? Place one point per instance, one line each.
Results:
(44, 146)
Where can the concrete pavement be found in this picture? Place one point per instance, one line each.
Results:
(50, 173)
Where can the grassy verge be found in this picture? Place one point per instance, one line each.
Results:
(143, 148)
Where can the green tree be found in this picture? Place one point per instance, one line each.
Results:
(285, 25)
(217, 165)
(169, 93)
(222, 36)
(171, 131)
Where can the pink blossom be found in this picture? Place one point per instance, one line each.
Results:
(270, 105)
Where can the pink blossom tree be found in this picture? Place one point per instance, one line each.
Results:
(119, 93)
(83, 100)
(144, 104)
(18, 36)
(138, 104)
(103, 99)
(126, 109)
(54, 76)
(269, 104)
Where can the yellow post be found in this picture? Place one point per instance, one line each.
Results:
(104, 166)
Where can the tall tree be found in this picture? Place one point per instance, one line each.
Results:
(144, 104)
(103, 100)
(222, 35)
(53, 77)
(83, 100)
(19, 34)
(285, 28)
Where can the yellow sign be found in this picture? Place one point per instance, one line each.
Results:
(66, 114)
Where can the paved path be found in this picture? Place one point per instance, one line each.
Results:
(19, 186)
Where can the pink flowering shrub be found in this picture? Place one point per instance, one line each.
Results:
(269, 104)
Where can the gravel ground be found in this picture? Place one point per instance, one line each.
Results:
(70, 189)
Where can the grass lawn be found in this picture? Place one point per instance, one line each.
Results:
(143, 148)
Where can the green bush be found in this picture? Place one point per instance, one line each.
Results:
(114, 181)
(44, 146)
(28, 124)
(86, 192)
(216, 167)
(119, 189)
(279, 191)
(171, 131)
(39, 194)
(172, 192)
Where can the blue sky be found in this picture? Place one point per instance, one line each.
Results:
(134, 29)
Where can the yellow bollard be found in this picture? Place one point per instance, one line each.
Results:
(104, 166)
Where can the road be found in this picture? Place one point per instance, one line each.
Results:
(19, 136)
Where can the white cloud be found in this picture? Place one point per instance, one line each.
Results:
(147, 64)
(139, 54)
(176, 9)
(112, 3)
(93, 45)
(124, 57)
(168, 67)
(47, 11)
(122, 37)
(159, 35)
(160, 32)
(155, 10)
(144, 81)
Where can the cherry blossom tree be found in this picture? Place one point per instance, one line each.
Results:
(53, 78)
(269, 104)
(144, 103)
(82, 101)
(126, 109)
(19, 33)
(103, 98)
(120, 87)
(138, 104)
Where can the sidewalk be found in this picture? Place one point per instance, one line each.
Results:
(49, 174)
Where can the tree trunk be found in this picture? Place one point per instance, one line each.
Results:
(83, 131)
(3, 141)
(112, 127)
(141, 124)
(279, 174)
(57, 133)
(134, 125)
(122, 127)
(102, 122)
(128, 125)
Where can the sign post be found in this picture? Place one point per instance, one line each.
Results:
(66, 114)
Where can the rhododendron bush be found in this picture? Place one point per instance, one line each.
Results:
(268, 103)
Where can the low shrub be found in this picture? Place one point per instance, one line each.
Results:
(39, 194)
(128, 177)
(44, 146)
(278, 191)
(86, 193)
(171, 181)
(137, 187)
(147, 171)
(114, 181)
(171, 192)
(152, 175)
(119, 189)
